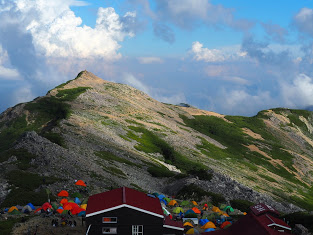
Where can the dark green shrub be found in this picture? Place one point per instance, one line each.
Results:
(160, 171)
(300, 218)
(242, 205)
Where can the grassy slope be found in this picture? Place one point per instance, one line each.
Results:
(232, 136)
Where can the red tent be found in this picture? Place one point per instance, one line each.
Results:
(81, 183)
(63, 193)
(76, 210)
(46, 205)
(63, 201)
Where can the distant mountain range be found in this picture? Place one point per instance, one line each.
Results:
(111, 135)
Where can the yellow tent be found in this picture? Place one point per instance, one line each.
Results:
(216, 209)
(208, 225)
(194, 203)
(12, 209)
(188, 224)
(172, 203)
(83, 206)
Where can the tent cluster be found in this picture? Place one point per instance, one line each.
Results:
(77, 206)
(197, 218)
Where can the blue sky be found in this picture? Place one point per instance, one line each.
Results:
(231, 57)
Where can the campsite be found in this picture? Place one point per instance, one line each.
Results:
(70, 214)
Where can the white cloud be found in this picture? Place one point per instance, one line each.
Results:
(133, 81)
(23, 94)
(9, 74)
(57, 32)
(299, 93)
(150, 60)
(173, 99)
(304, 20)
(242, 103)
(205, 54)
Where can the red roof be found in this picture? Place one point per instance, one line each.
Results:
(123, 197)
(172, 223)
(260, 221)
(262, 208)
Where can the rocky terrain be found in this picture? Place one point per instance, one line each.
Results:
(113, 135)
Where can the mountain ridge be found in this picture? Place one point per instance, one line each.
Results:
(117, 134)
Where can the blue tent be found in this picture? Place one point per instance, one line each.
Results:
(31, 206)
(203, 221)
(60, 208)
(77, 201)
(162, 200)
(161, 196)
(209, 230)
(82, 213)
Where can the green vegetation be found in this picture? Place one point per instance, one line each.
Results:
(268, 178)
(160, 171)
(300, 218)
(194, 192)
(150, 143)
(24, 190)
(133, 122)
(226, 133)
(242, 205)
(6, 226)
(71, 94)
(55, 138)
(108, 156)
(45, 114)
(23, 157)
(115, 171)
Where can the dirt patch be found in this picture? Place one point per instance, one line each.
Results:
(197, 112)
(275, 162)
(252, 134)
(44, 227)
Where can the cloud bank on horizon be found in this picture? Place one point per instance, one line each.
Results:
(232, 58)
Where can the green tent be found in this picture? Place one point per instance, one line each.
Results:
(177, 210)
(167, 199)
(185, 203)
(55, 206)
(85, 201)
(64, 212)
(14, 212)
(229, 208)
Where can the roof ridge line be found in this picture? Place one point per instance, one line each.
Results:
(124, 196)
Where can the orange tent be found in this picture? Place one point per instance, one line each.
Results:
(81, 183)
(172, 203)
(196, 210)
(216, 209)
(188, 224)
(208, 225)
(12, 209)
(63, 201)
(194, 203)
(63, 193)
(225, 214)
(60, 211)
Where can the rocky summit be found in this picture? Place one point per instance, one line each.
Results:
(112, 135)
